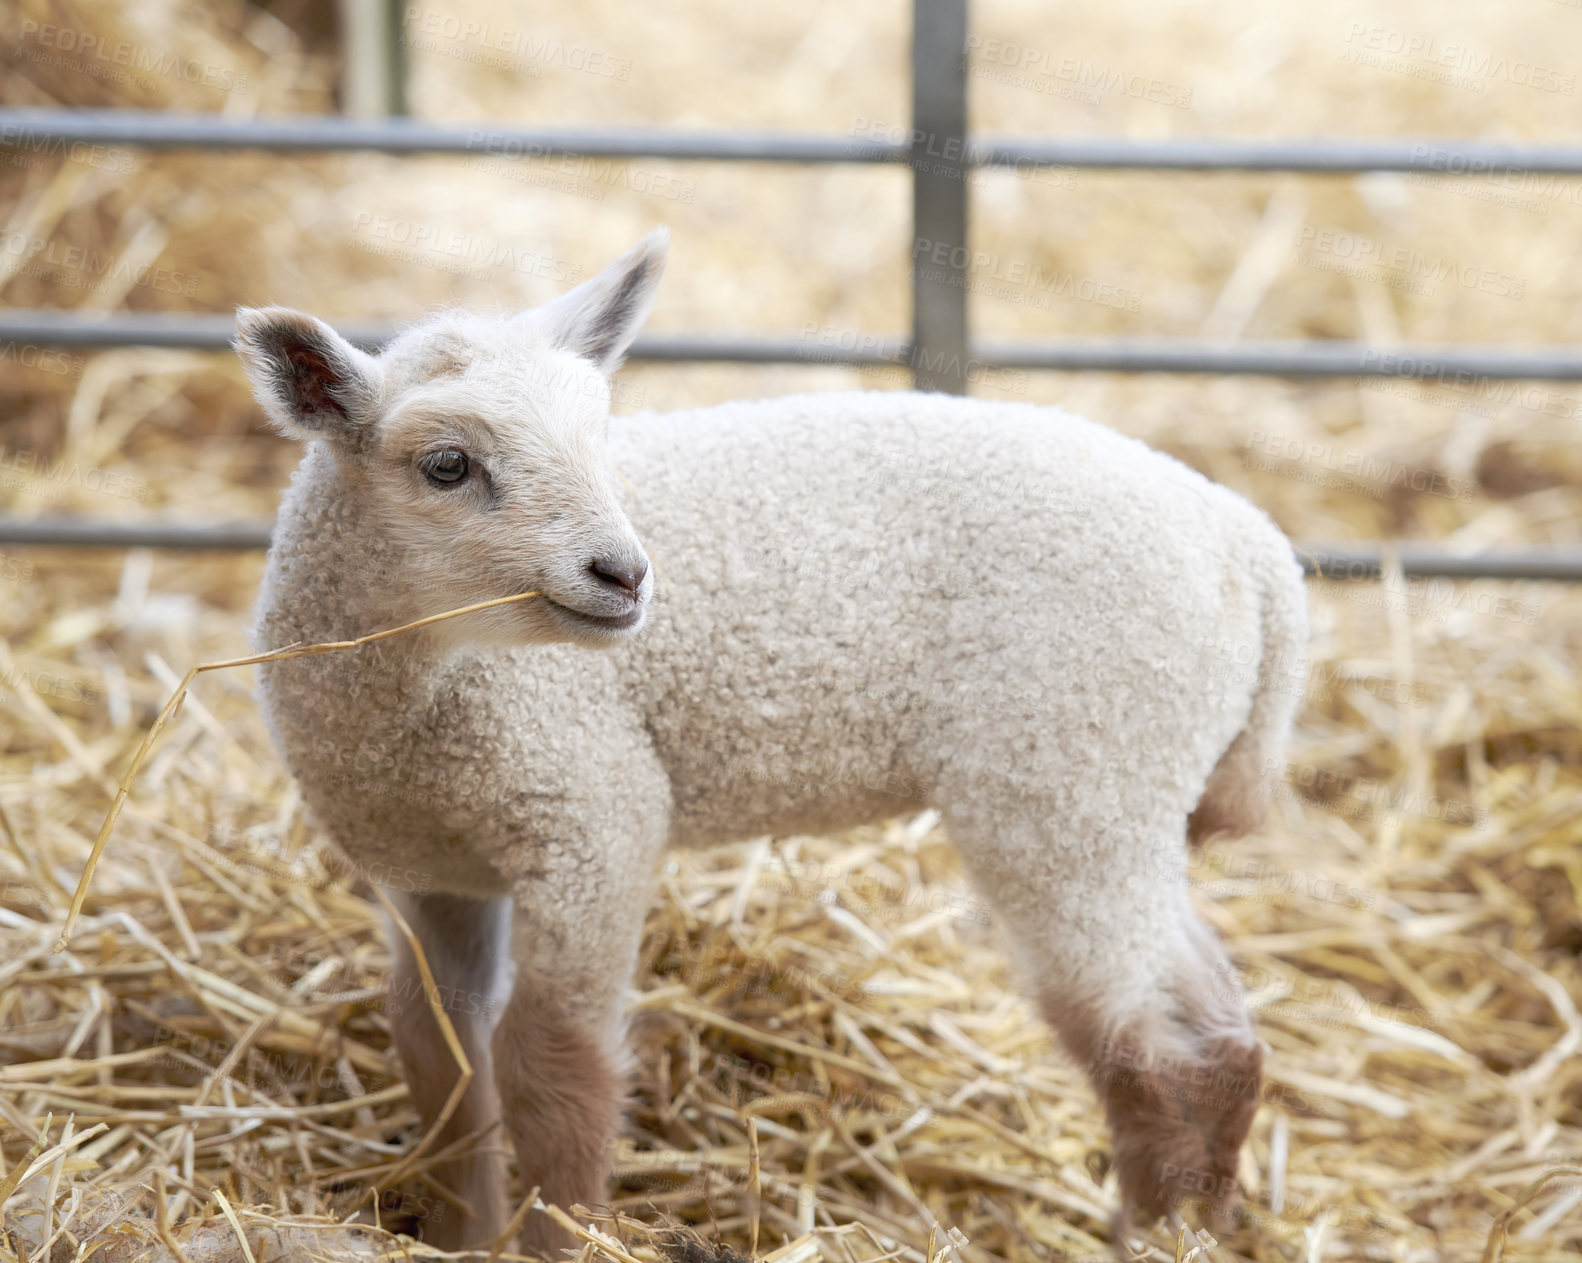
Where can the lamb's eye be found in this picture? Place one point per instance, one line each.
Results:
(444, 467)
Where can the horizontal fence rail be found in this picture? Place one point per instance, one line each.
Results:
(1454, 364)
(56, 130)
(214, 333)
(238, 537)
(1340, 562)
(1431, 156)
(1424, 561)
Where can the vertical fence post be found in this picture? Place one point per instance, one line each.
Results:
(373, 58)
(399, 71)
(939, 195)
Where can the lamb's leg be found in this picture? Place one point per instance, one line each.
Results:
(464, 942)
(1136, 986)
(558, 1051)
(561, 1089)
(1180, 1079)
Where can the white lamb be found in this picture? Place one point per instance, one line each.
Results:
(859, 604)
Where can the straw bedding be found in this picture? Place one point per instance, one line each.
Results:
(834, 1059)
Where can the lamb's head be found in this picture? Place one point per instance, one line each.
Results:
(472, 451)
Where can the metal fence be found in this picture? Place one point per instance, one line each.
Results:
(940, 352)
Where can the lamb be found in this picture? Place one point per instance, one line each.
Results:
(858, 604)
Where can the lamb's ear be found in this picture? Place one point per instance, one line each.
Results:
(599, 319)
(311, 381)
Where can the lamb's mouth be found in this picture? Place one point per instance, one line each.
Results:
(605, 622)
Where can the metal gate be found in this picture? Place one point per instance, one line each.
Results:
(940, 352)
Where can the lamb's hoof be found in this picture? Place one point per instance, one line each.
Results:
(1219, 1220)
(1179, 1128)
(1124, 1240)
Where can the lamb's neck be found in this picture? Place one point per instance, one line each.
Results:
(334, 576)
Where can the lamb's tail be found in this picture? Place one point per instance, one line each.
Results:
(1236, 797)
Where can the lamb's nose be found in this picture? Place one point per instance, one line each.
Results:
(617, 574)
